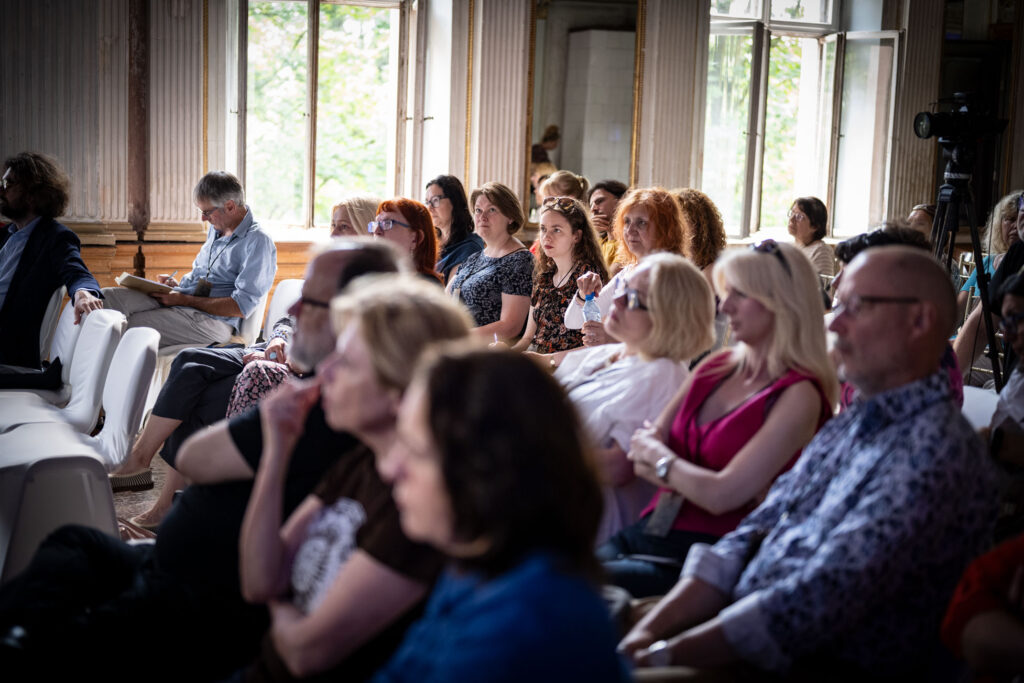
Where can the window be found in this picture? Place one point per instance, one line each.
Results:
(320, 123)
(773, 131)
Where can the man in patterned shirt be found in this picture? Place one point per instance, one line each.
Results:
(846, 567)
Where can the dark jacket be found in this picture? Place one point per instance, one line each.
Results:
(51, 258)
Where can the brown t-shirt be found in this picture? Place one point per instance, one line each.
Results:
(358, 513)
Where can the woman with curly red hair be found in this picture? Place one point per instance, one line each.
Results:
(647, 220)
(407, 223)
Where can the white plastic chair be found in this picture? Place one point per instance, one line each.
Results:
(49, 324)
(62, 346)
(40, 493)
(979, 406)
(101, 331)
(286, 293)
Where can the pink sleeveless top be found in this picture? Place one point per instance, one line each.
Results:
(714, 444)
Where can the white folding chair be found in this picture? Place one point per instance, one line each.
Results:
(62, 346)
(49, 325)
(40, 493)
(101, 331)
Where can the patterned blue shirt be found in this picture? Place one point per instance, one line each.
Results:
(241, 266)
(856, 550)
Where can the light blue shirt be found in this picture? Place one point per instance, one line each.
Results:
(241, 266)
(10, 255)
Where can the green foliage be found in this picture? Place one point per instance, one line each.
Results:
(354, 106)
(780, 161)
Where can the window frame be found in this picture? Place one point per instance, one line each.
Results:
(396, 164)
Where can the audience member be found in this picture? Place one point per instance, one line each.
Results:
(233, 271)
(1007, 425)
(565, 184)
(848, 564)
(406, 224)
(999, 235)
(985, 620)
(604, 199)
(808, 221)
(86, 590)
(741, 419)
(37, 255)
(515, 510)
(548, 142)
(568, 249)
(341, 579)
(705, 229)
(921, 218)
(350, 215)
(446, 200)
(646, 220)
(661, 317)
(495, 283)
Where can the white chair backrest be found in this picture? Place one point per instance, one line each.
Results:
(100, 333)
(49, 324)
(979, 405)
(64, 339)
(286, 293)
(44, 496)
(124, 393)
(250, 327)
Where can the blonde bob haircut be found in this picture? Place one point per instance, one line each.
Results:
(793, 295)
(361, 209)
(1006, 208)
(399, 316)
(682, 309)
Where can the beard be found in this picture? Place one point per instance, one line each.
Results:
(306, 351)
(15, 212)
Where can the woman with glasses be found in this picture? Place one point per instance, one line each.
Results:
(741, 418)
(661, 318)
(646, 220)
(808, 220)
(495, 283)
(568, 248)
(446, 201)
(406, 223)
(341, 579)
(515, 510)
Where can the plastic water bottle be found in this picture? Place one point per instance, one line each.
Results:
(591, 311)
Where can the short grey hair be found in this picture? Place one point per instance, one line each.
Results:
(219, 187)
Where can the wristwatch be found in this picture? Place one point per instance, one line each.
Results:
(663, 465)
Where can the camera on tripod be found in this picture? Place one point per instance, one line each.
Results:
(959, 124)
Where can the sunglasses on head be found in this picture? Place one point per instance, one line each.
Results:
(770, 246)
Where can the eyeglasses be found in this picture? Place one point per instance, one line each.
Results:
(795, 215)
(770, 246)
(384, 224)
(633, 302)
(435, 201)
(206, 213)
(563, 205)
(7, 180)
(854, 305)
(1008, 325)
(315, 303)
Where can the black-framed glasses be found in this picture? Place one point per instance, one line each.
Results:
(770, 246)
(854, 305)
(633, 302)
(434, 202)
(384, 224)
(315, 303)
(1008, 325)
(563, 205)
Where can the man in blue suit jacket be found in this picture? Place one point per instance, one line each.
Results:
(37, 255)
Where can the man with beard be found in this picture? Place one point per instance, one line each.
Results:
(37, 255)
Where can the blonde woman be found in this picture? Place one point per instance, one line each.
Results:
(740, 420)
(565, 184)
(661, 318)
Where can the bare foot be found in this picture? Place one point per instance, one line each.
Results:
(151, 518)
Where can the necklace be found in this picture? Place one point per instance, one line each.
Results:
(561, 283)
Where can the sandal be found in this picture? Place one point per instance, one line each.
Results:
(140, 481)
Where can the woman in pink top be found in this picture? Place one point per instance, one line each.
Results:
(741, 419)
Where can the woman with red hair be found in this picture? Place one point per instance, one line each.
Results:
(647, 220)
(407, 223)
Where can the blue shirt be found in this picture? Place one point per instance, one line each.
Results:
(856, 551)
(241, 266)
(10, 255)
(987, 264)
(533, 623)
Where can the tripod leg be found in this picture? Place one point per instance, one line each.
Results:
(993, 350)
